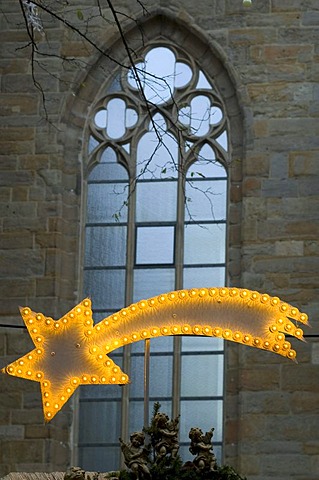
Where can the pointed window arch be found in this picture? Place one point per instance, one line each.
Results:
(157, 188)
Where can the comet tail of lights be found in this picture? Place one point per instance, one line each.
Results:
(72, 351)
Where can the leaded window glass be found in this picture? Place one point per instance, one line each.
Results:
(156, 221)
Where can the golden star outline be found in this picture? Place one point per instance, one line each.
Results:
(65, 356)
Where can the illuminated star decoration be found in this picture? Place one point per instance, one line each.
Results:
(72, 351)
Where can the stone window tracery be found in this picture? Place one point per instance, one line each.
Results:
(156, 221)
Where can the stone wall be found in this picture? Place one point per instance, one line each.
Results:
(270, 54)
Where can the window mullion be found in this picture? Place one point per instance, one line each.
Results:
(179, 262)
(130, 256)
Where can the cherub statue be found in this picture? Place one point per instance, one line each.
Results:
(201, 446)
(74, 473)
(166, 436)
(136, 456)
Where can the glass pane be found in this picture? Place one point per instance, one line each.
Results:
(160, 376)
(205, 414)
(157, 158)
(106, 203)
(105, 287)
(158, 77)
(136, 415)
(200, 115)
(203, 82)
(101, 459)
(183, 74)
(100, 422)
(151, 282)
(206, 200)
(160, 344)
(105, 246)
(223, 140)
(216, 115)
(206, 166)
(202, 344)
(101, 391)
(202, 375)
(104, 172)
(156, 201)
(155, 245)
(205, 244)
(204, 277)
(115, 127)
(100, 118)
(92, 144)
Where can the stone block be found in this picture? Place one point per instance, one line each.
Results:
(20, 343)
(262, 378)
(22, 263)
(22, 451)
(279, 188)
(303, 378)
(289, 248)
(10, 432)
(28, 417)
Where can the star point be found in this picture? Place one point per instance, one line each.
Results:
(65, 356)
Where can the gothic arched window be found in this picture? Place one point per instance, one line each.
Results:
(156, 222)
